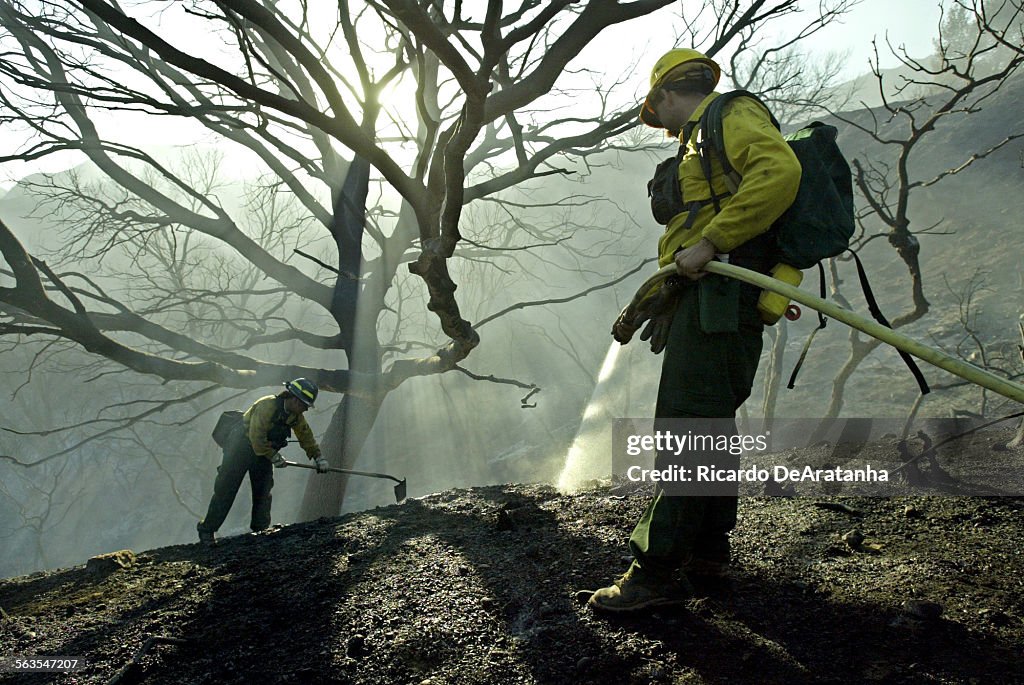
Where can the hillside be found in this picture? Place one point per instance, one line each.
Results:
(482, 586)
(126, 497)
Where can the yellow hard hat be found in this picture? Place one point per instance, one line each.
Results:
(668, 64)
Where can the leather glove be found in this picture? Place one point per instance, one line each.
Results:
(321, 465)
(658, 311)
(277, 460)
(623, 328)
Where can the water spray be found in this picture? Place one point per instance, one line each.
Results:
(582, 462)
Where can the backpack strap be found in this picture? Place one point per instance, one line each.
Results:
(876, 313)
(821, 324)
(279, 431)
(713, 138)
(664, 191)
(705, 165)
(677, 192)
(869, 297)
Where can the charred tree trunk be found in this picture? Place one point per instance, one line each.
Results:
(347, 229)
(354, 418)
(346, 434)
(773, 374)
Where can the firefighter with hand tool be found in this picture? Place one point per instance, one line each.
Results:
(708, 325)
(252, 447)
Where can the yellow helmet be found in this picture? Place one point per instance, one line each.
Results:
(668, 64)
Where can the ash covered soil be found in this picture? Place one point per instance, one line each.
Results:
(480, 586)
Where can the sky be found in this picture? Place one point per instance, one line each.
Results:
(911, 23)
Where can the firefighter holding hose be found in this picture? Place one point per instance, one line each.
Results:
(707, 325)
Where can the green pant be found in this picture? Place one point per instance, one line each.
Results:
(238, 460)
(711, 358)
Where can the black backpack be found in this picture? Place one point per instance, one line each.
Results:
(227, 422)
(817, 226)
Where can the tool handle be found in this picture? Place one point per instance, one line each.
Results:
(351, 473)
(301, 466)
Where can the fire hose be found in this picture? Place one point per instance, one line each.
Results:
(943, 360)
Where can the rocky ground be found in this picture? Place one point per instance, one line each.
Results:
(480, 586)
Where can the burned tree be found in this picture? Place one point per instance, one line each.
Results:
(943, 91)
(306, 99)
(285, 79)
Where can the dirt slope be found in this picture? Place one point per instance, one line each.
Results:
(477, 586)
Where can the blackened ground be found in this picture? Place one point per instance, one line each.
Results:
(478, 586)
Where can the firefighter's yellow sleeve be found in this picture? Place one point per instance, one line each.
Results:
(258, 419)
(305, 436)
(770, 179)
(770, 171)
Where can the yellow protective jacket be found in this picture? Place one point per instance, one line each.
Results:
(262, 417)
(771, 177)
